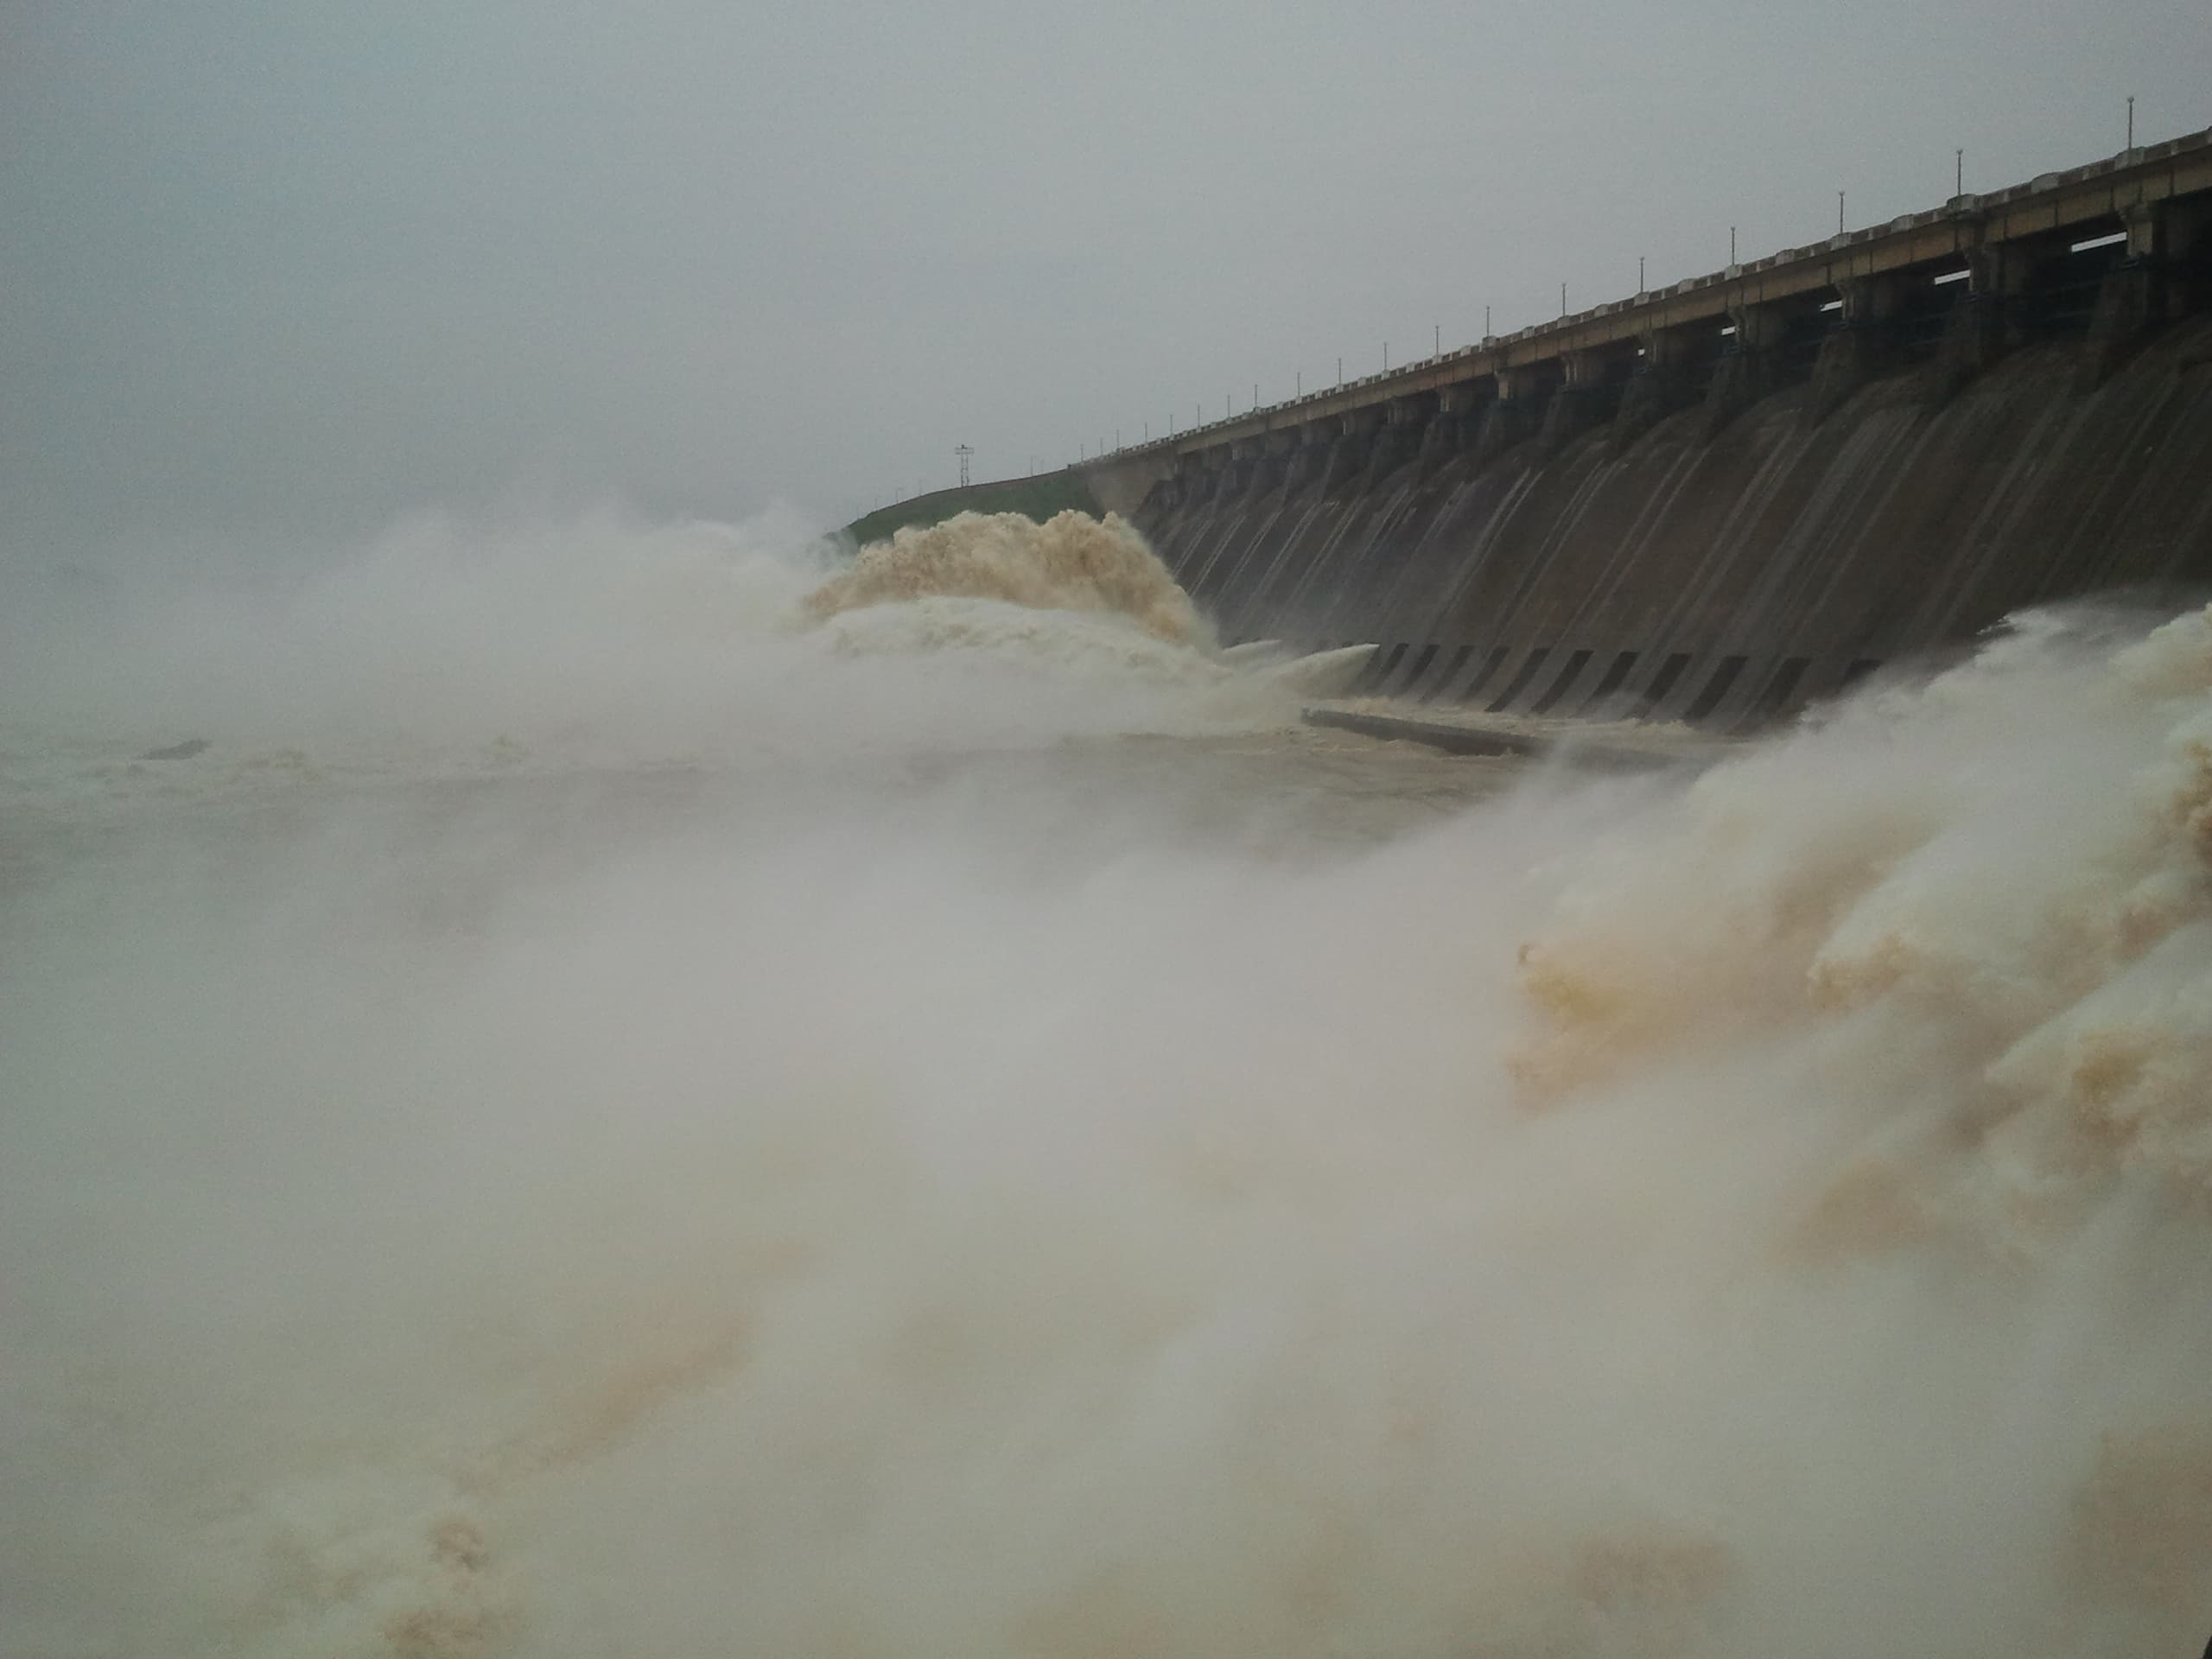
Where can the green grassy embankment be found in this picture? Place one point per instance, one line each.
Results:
(1038, 497)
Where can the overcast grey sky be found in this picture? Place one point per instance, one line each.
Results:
(272, 265)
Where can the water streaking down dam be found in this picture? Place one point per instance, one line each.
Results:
(1716, 501)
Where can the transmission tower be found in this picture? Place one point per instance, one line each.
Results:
(964, 452)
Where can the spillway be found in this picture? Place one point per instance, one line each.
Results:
(1719, 502)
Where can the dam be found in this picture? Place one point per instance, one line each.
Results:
(1716, 501)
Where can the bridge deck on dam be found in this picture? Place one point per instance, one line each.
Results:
(1716, 501)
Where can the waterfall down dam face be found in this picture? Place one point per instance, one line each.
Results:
(1720, 502)
(1722, 571)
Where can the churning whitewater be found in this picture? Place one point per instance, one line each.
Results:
(650, 1090)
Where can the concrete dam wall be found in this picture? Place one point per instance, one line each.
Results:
(1717, 503)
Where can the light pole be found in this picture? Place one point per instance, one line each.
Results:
(1486, 322)
(1958, 172)
(1732, 244)
(1838, 213)
(1562, 299)
(1639, 273)
(2131, 120)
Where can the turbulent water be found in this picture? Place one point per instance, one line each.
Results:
(624, 1103)
(1072, 563)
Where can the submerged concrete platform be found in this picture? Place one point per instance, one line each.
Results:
(1613, 746)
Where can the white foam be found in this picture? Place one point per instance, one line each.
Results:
(930, 1203)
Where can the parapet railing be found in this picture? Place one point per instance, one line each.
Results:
(2143, 160)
